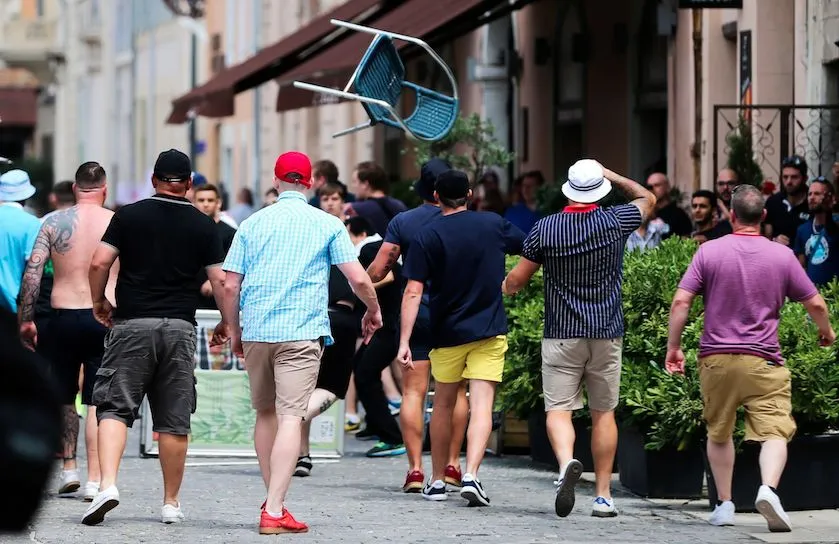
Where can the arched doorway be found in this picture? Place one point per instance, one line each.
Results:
(649, 141)
(570, 70)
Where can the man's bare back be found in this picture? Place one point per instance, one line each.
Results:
(73, 235)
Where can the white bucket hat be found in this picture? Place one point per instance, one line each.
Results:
(15, 186)
(586, 183)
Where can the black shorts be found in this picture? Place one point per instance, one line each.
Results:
(421, 335)
(73, 339)
(336, 362)
(154, 357)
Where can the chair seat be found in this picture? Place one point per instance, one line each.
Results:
(434, 115)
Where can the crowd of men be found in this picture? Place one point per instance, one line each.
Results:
(328, 293)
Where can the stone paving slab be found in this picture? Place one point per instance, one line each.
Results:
(358, 500)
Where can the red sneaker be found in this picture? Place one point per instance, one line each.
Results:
(414, 482)
(453, 476)
(269, 525)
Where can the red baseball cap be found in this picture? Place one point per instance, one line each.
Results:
(294, 167)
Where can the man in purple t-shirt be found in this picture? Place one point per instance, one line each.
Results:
(744, 280)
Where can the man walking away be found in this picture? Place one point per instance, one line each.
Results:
(162, 242)
(817, 241)
(277, 273)
(582, 250)
(744, 280)
(401, 232)
(468, 323)
(68, 240)
(18, 231)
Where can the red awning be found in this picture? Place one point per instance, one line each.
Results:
(215, 98)
(18, 106)
(433, 22)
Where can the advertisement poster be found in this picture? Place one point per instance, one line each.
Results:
(222, 425)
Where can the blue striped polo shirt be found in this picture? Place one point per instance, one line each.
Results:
(581, 250)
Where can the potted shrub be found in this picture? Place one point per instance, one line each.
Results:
(812, 470)
(659, 416)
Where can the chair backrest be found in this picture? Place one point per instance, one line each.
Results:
(380, 75)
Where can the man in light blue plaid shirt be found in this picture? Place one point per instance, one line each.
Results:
(277, 272)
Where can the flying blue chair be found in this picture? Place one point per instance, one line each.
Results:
(378, 82)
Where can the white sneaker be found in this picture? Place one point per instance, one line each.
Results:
(604, 508)
(90, 491)
(171, 514)
(103, 502)
(769, 505)
(723, 515)
(69, 482)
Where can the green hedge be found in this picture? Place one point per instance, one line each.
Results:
(669, 408)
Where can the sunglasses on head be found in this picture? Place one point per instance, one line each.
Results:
(794, 160)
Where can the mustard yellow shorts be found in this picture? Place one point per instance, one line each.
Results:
(479, 360)
(728, 381)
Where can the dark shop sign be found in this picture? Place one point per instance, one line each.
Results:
(696, 4)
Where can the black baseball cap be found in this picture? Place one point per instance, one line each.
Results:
(172, 166)
(452, 184)
(424, 186)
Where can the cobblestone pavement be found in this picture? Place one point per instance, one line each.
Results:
(358, 500)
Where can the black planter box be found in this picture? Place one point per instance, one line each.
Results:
(540, 445)
(663, 474)
(809, 482)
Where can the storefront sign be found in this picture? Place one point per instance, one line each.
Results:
(222, 425)
(710, 4)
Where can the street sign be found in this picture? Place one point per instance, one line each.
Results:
(710, 4)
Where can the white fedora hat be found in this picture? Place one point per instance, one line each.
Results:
(15, 186)
(586, 183)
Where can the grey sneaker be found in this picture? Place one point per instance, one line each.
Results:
(568, 478)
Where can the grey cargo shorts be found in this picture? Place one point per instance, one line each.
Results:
(148, 356)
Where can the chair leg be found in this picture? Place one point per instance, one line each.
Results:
(350, 130)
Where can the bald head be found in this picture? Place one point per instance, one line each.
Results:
(747, 205)
(659, 185)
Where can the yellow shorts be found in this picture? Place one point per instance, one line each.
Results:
(479, 360)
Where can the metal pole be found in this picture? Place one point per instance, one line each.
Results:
(257, 103)
(150, 100)
(697, 82)
(193, 81)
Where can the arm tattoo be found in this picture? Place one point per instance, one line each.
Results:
(378, 274)
(55, 235)
(30, 285)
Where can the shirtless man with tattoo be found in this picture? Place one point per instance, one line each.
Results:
(68, 238)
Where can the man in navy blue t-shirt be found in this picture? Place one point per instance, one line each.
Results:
(400, 233)
(460, 255)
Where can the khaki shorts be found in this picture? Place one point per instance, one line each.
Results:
(283, 374)
(729, 381)
(568, 363)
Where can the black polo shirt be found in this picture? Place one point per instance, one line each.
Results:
(163, 243)
(784, 217)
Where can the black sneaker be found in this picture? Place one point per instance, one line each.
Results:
(472, 490)
(564, 502)
(366, 434)
(304, 466)
(434, 491)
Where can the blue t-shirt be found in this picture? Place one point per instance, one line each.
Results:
(522, 217)
(820, 250)
(461, 259)
(403, 229)
(18, 231)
